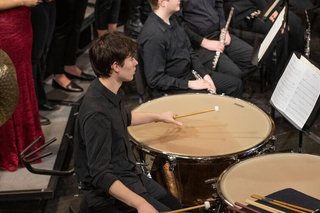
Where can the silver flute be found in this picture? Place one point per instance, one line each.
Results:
(222, 38)
(198, 77)
(307, 36)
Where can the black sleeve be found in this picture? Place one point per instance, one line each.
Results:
(219, 8)
(154, 58)
(195, 60)
(129, 117)
(195, 38)
(97, 134)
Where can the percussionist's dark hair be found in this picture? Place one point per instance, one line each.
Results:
(110, 48)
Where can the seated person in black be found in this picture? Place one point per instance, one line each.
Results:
(104, 161)
(243, 20)
(203, 21)
(169, 59)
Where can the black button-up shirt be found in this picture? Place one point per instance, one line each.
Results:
(202, 18)
(102, 149)
(167, 55)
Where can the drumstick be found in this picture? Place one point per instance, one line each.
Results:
(206, 205)
(264, 207)
(234, 209)
(281, 204)
(216, 108)
(246, 207)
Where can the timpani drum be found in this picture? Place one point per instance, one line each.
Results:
(204, 146)
(266, 174)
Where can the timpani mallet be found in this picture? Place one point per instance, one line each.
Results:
(206, 205)
(216, 108)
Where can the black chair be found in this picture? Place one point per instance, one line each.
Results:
(142, 87)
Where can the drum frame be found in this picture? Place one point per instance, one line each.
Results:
(175, 160)
(232, 156)
(226, 202)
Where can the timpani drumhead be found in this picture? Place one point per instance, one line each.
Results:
(237, 126)
(267, 174)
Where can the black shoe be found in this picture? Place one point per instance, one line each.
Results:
(71, 87)
(49, 106)
(83, 76)
(44, 120)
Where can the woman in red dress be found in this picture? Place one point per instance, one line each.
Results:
(23, 127)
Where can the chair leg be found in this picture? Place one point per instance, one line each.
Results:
(262, 77)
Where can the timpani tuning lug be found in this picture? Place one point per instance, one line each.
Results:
(211, 180)
(173, 162)
(234, 157)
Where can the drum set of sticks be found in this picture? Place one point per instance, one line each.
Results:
(288, 206)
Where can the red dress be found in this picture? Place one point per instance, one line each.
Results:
(24, 125)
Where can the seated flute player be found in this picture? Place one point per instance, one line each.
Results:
(104, 160)
(245, 18)
(169, 58)
(203, 21)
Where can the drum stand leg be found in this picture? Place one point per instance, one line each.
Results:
(300, 141)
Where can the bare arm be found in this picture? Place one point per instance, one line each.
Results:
(144, 117)
(122, 193)
(9, 4)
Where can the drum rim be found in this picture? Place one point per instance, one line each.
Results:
(234, 156)
(218, 183)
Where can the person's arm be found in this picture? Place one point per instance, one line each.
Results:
(143, 117)
(154, 59)
(9, 4)
(122, 193)
(196, 39)
(98, 140)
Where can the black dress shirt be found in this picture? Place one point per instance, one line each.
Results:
(167, 55)
(103, 153)
(202, 18)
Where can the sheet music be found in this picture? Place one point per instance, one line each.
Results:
(297, 91)
(271, 34)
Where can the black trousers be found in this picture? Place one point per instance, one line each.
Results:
(43, 21)
(235, 61)
(295, 39)
(70, 15)
(106, 12)
(156, 195)
(226, 84)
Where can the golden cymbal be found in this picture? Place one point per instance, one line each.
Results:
(9, 91)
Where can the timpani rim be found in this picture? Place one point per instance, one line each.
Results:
(233, 156)
(221, 176)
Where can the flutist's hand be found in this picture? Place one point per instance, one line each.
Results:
(227, 40)
(209, 80)
(200, 84)
(212, 45)
(273, 16)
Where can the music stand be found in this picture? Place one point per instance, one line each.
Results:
(293, 104)
(264, 47)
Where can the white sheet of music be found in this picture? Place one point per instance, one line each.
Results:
(298, 90)
(271, 34)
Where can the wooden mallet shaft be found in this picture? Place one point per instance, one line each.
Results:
(216, 108)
